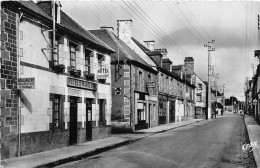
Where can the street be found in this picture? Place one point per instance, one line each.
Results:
(215, 143)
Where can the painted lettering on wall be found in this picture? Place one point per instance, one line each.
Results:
(81, 84)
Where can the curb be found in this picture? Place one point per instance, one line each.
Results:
(255, 152)
(107, 148)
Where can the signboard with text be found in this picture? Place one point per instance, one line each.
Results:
(103, 73)
(26, 83)
(81, 84)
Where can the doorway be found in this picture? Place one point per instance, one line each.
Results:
(89, 119)
(73, 131)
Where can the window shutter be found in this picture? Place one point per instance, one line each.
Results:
(68, 100)
(62, 123)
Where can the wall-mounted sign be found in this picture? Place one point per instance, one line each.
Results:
(103, 73)
(26, 83)
(150, 84)
(117, 90)
(71, 82)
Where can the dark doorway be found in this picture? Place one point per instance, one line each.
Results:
(149, 115)
(89, 119)
(172, 111)
(73, 120)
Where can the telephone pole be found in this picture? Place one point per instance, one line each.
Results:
(209, 76)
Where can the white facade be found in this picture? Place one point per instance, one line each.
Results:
(36, 109)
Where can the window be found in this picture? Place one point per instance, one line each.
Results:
(87, 60)
(101, 59)
(200, 86)
(199, 98)
(57, 116)
(55, 53)
(72, 56)
(140, 78)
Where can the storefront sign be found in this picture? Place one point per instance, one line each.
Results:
(26, 83)
(81, 84)
(150, 84)
(103, 73)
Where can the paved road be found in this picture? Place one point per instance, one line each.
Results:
(208, 144)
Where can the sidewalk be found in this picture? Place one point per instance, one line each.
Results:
(253, 130)
(76, 152)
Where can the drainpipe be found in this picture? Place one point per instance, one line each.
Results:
(18, 76)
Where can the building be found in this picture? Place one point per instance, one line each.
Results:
(200, 98)
(171, 87)
(57, 83)
(134, 82)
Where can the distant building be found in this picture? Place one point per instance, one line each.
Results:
(135, 87)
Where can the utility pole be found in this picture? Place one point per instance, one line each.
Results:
(209, 76)
(223, 98)
(185, 89)
(252, 65)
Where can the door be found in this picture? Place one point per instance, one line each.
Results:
(73, 131)
(172, 111)
(89, 124)
(149, 115)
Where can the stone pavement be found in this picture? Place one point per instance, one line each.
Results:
(72, 153)
(253, 130)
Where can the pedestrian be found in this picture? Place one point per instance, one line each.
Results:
(221, 112)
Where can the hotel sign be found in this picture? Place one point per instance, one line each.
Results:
(103, 73)
(81, 84)
(26, 83)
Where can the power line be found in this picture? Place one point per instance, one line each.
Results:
(203, 39)
(158, 31)
(195, 19)
(162, 31)
(153, 29)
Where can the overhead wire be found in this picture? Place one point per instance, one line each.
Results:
(195, 19)
(151, 26)
(188, 21)
(174, 43)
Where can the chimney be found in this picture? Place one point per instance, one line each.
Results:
(167, 63)
(163, 51)
(111, 29)
(124, 30)
(149, 44)
(178, 70)
(189, 65)
(46, 6)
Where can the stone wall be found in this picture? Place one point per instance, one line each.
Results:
(9, 98)
(43, 141)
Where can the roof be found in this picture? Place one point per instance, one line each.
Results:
(145, 49)
(166, 60)
(150, 53)
(34, 7)
(75, 27)
(66, 22)
(125, 52)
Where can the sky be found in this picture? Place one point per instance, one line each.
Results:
(183, 27)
